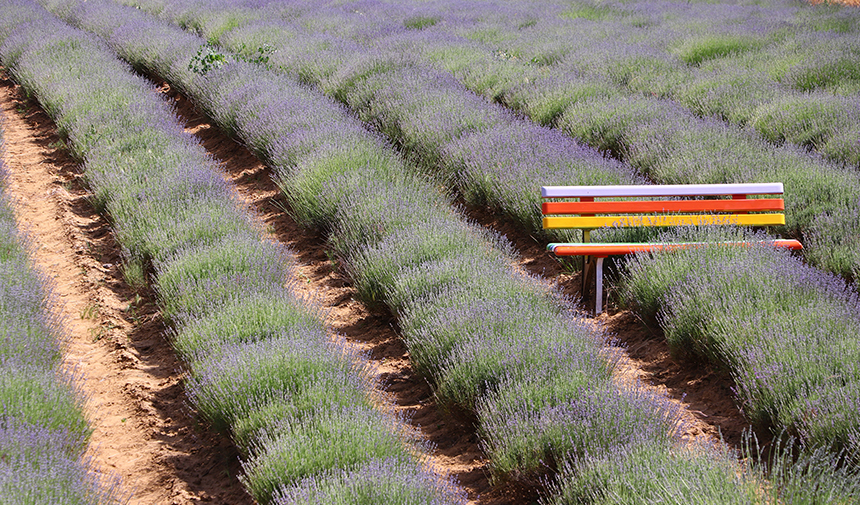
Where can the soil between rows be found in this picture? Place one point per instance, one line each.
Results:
(143, 429)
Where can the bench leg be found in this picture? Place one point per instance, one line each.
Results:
(598, 287)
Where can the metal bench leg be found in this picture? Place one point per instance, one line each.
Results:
(598, 283)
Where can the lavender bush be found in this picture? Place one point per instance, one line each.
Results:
(786, 332)
(340, 438)
(45, 465)
(810, 475)
(379, 481)
(647, 474)
(361, 197)
(209, 266)
(43, 432)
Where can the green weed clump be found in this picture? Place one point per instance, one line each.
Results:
(698, 49)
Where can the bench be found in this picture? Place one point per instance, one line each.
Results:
(655, 205)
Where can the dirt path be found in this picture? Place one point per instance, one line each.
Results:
(709, 411)
(453, 434)
(143, 430)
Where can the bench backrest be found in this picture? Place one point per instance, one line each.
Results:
(588, 214)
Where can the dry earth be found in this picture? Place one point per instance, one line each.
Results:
(145, 432)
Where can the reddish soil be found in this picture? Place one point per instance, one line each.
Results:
(143, 431)
(705, 395)
(457, 453)
(853, 3)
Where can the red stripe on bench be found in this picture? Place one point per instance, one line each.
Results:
(657, 206)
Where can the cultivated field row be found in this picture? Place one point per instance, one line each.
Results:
(261, 361)
(141, 430)
(43, 431)
(788, 362)
(249, 127)
(400, 68)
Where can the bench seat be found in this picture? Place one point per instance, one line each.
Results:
(599, 250)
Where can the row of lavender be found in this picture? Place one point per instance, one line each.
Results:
(795, 370)
(490, 340)
(378, 65)
(705, 319)
(787, 70)
(262, 365)
(492, 159)
(666, 141)
(788, 334)
(43, 432)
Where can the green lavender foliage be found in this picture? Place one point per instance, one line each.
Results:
(43, 431)
(281, 376)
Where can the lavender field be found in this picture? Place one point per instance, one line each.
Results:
(381, 121)
(43, 432)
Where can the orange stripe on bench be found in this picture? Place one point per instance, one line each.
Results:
(652, 206)
(603, 250)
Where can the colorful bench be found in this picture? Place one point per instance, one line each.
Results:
(686, 205)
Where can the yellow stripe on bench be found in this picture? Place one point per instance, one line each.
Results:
(593, 222)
